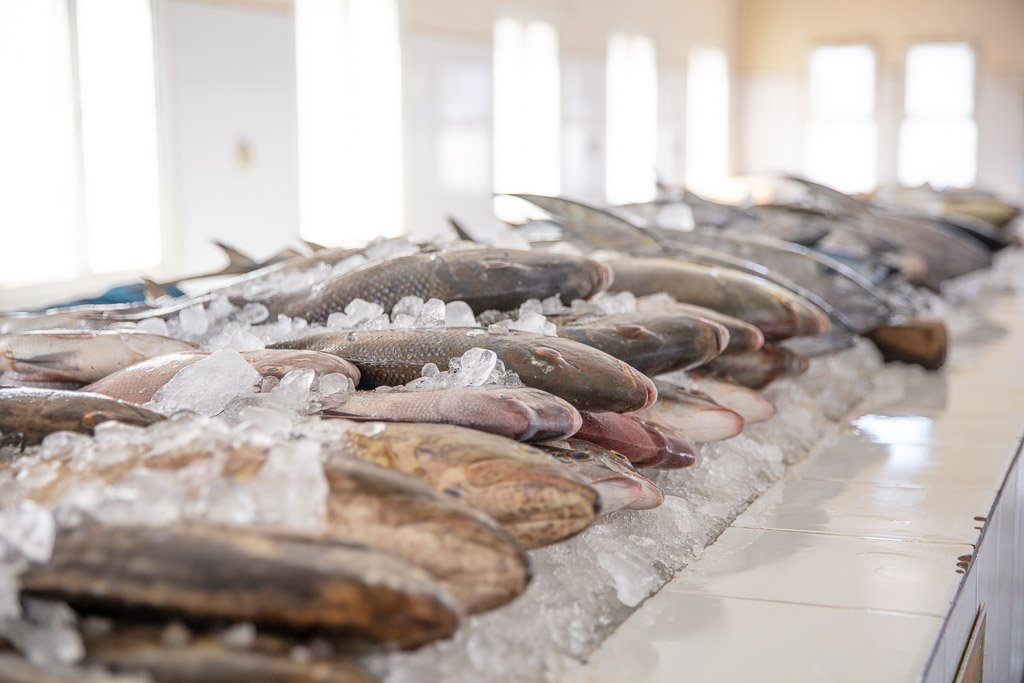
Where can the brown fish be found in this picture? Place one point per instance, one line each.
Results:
(28, 415)
(742, 335)
(534, 499)
(611, 473)
(140, 382)
(644, 443)
(757, 369)
(652, 343)
(277, 581)
(585, 377)
(519, 413)
(778, 313)
(81, 356)
(484, 278)
(692, 414)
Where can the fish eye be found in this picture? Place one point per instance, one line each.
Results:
(90, 420)
(579, 455)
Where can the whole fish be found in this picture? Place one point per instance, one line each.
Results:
(618, 482)
(484, 278)
(776, 311)
(139, 383)
(693, 415)
(208, 659)
(28, 415)
(585, 377)
(642, 442)
(757, 369)
(80, 356)
(277, 581)
(472, 557)
(751, 405)
(534, 499)
(742, 335)
(652, 343)
(519, 413)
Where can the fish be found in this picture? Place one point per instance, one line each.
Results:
(751, 405)
(585, 377)
(476, 561)
(534, 499)
(519, 413)
(81, 356)
(778, 313)
(850, 300)
(204, 573)
(652, 343)
(209, 659)
(642, 442)
(28, 415)
(742, 335)
(757, 369)
(594, 226)
(140, 382)
(611, 473)
(17, 669)
(483, 278)
(694, 415)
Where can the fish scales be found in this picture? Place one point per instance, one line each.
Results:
(585, 377)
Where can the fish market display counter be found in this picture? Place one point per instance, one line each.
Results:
(895, 551)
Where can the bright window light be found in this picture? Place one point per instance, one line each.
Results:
(117, 81)
(938, 136)
(527, 111)
(631, 127)
(38, 178)
(348, 61)
(842, 138)
(707, 120)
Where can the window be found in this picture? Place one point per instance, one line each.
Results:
(348, 61)
(631, 127)
(842, 138)
(527, 111)
(707, 119)
(938, 135)
(80, 192)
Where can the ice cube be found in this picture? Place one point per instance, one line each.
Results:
(253, 314)
(235, 336)
(475, 366)
(153, 326)
(432, 314)
(334, 383)
(293, 392)
(239, 636)
(403, 321)
(407, 305)
(500, 327)
(47, 634)
(533, 322)
(29, 529)
(459, 314)
(193, 321)
(553, 306)
(360, 310)
(290, 488)
(531, 305)
(339, 321)
(380, 322)
(206, 387)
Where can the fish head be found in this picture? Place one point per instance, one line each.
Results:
(616, 480)
(678, 452)
(543, 416)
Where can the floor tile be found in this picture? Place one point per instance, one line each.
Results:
(686, 637)
(857, 509)
(821, 569)
(855, 457)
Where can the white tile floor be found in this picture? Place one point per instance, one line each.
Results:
(847, 568)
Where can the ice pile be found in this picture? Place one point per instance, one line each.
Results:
(475, 368)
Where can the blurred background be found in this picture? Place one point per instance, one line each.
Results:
(133, 132)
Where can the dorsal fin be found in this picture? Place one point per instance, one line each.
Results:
(237, 261)
(459, 229)
(315, 246)
(154, 290)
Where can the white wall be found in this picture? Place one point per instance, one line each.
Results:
(231, 84)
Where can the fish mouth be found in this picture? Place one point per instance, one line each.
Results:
(616, 493)
(650, 495)
(605, 277)
(640, 380)
(548, 421)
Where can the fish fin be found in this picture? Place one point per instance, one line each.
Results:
(460, 229)
(53, 361)
(154, 290)
(315, 246)
(237, 261)
(348, 416)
